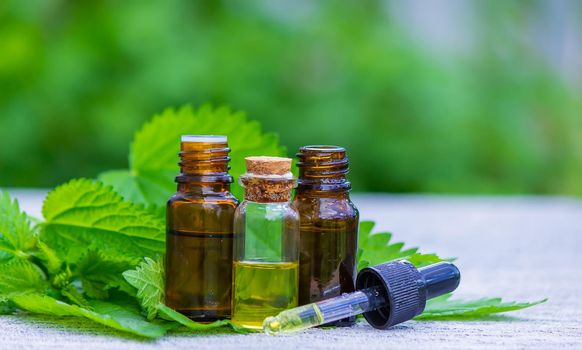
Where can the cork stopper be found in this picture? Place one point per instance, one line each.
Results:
(268, 179)
(263, 165)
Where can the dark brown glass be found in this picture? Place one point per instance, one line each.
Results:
(200, 234)
(328, 226)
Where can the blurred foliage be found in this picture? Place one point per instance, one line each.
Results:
(77, 78)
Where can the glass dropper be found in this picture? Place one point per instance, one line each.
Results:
(388, 294)
(326, 311)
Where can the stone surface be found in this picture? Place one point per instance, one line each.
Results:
(520, 248)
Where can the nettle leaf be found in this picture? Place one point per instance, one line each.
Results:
(19, 276)
(17, 237)
(168, 313)
(153, 159)
(84, 215)
(420, 260)
(7, 307)
(148, 279)
(72, 293)
(99, 273)
(123, 316)
(49, 258)
(376, 248)
(444, 308)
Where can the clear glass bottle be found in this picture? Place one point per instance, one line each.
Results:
(328, 226)
(266, 224)
(200, 231)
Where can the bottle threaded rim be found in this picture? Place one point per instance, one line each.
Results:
(204, 158)
(322, 164)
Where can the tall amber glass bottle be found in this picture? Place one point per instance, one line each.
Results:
(328, 225)
(200, 231)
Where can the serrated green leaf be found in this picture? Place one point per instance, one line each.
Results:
(99, 273)
(84, 215)
(49, 258)
(120, 316)
(380, 239)
(7, 307)
(17, 237)
(168, 313)
(154, 151)
(376, 248)
(363, 264)
(74, 296)
(365, 230)
(148, 279)
(145, 187)
(444, 308)
(20, 276)
(421, 260)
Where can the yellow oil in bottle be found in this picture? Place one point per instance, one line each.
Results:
(262, 289)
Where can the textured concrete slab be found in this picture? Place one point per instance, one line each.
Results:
(520, 248)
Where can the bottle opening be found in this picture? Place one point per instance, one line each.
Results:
(204, 158)
(322, 164)
(204, 138)
(322, 148)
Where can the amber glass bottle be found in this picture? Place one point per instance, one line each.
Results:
(328, 225)
(200, 231)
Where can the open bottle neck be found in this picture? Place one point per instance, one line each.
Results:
(204, 167)
(322, 169)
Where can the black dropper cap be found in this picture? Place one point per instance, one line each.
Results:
(406, 289)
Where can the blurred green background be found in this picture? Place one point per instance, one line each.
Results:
(428, 96)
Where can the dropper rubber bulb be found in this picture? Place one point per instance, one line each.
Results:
(387, 294)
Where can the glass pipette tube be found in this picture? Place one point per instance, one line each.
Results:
(396, 283)
(325, 311)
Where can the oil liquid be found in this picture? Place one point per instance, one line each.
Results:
(328, 265)
(327, 261)
(198, 284)
(262, 289)
(199, 231)
(328, 225)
